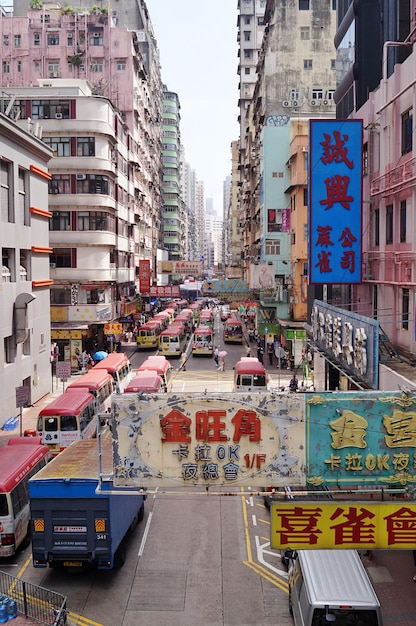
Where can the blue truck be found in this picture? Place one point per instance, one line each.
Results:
(73, 525)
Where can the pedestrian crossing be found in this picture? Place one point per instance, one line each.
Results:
(214, 381)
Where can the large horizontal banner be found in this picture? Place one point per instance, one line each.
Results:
(207, 440)
(359, 525)
(330, 439)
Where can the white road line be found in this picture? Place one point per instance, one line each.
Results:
(260, 551)
(250, 500)
(146, 532)
(254, 520)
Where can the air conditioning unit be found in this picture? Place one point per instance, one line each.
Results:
(52, 266)
(295, 103)
(304, 149)
(325, 102)
(53, 74)
(96, 35)
(313, 103)
(81, 176)
(286, 103)
(58, 116)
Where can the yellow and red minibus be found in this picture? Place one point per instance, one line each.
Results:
(148, 335)
(172, 340)
(203, 341)
(233, 331)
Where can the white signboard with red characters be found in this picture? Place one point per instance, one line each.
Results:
(208, 440)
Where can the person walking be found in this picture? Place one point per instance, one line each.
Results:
(222, 364)
(270, 352)
(293, 385)
(183, 362)
(216, 355)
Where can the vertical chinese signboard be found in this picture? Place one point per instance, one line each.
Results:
(335, 201)
(144, 275)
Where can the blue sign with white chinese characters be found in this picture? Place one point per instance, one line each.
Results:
(335, 201)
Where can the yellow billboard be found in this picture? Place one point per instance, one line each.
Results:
(318, 525)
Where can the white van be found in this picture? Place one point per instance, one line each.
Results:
(331, 588)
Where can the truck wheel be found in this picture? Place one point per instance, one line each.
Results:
(120, 556)
(141, 513)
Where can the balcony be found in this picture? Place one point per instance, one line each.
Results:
(401, 177)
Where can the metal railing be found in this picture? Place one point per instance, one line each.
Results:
(42, 605)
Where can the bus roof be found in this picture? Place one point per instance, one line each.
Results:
(18, 460)
(231, 321)
(92, 380)
(250, 366)
(158, 364)
(203, 330)
(79, 460)
(173, 329)
(336, 576)
(145, 380)
(68, 403)
(111, 362)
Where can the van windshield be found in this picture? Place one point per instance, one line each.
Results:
(345, 617)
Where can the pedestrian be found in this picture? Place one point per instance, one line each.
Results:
(292, 362)
(183, 361)
(222, 364)
(260, 353)
(293, 385)
(270, 352)
(309, 357)
(216, 355)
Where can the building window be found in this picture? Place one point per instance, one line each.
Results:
(305, 33)
(36, 66)
(95, 220)
(6, 204)
(53, 39)
(85, 146)
(407, 131)
(53, 69)
(50, 109)
(273, 247)
(93, 183)
(96, 66)
(62, 257)
(60, 295)
(247, 19)
(377, 227)
(403, 221)
(317, 93)
(60, 183)
(405, 308)
(305, 196)
(247, 53)
(307, 64)
(36, 39)
(389, 224)
(303, 5)
(96, 39)
(17, 41)
(9, 349)
(247, 70)
(19, 66)
(333, 66)
(61, 220)
(9, 265)
(5, 40)
(24, 213)
(61, 146)
(365, 159)
(294, 94)
(70, 39)
(121, 65)
(247, 35)
(6, 67)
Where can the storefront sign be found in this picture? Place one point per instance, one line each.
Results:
(144, 276)
(113, 329)
(355, 525)
(209, 440)
(168, 291)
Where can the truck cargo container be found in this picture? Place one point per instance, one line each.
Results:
(76, 525)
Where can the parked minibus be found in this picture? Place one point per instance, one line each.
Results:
(99, 383)
(68, 418)
(163, 317)
(233, 331)
(203, 341)
(172, 340)
(161, 366)
(118, 366)
(148, 335)
(185, 317)
(250, 375)
(206, 318)
(145, 381)
(331, 587)
(20, 459)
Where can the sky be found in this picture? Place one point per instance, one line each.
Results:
(197, 43)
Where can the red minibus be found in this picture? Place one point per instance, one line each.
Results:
(161, 366)
(250, 375)
(21, 459)
(98, 382)
(145, 381)
(118, 366)
(70, 417)
(203, 341)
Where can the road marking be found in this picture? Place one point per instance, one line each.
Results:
(254, 520)
(146, 532)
